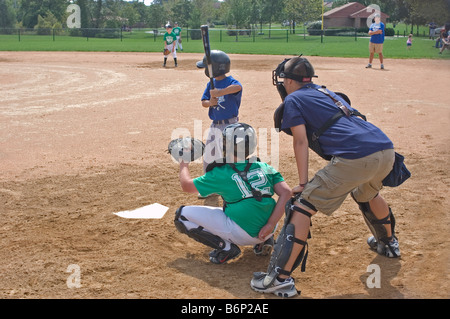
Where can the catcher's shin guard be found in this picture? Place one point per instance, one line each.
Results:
(376, 225)
(282, 250)
(198, 234)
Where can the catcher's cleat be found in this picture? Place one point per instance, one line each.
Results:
(265, 248)
(220, 256)
(391, 249)
(285, 288)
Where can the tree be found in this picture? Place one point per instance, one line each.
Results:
(271, 10)
(47, 23)
(7, 14)
(302, 10)
(156, 15)
(30, 10)
(179, 11)
(206, 9)
(421, 12)
(256, 12)
(238, 13)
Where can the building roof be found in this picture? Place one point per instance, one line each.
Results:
(352, 10)
(365, 13)
(344, 11)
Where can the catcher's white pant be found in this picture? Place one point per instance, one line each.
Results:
(171, 47)
(214, 220)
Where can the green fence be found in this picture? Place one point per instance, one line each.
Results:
(345, 42)
(216, 35)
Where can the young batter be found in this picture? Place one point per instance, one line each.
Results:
(223, 103)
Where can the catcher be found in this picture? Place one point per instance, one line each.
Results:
(249, 215)
(170, 39)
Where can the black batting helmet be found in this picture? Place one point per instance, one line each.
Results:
(220, 63)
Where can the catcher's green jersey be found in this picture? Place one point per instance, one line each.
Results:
(170, 37)
(242, 208)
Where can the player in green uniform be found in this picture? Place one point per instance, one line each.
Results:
(250, 214)
(170, 39)
(177, 31)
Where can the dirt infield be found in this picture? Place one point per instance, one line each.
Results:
(83, 135)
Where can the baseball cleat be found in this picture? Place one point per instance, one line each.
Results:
(368, 66)
(391, 250)
(283, 289)
(220, 256)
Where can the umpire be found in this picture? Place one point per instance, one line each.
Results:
(360, 156)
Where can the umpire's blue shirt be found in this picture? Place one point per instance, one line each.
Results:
(350, 137)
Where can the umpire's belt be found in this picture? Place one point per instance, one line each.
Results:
(227, 121)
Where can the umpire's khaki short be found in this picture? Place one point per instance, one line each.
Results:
(375, 47)
(362, 177)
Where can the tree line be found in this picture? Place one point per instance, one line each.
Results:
(239, 14)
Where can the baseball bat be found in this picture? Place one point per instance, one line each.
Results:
(207, 48)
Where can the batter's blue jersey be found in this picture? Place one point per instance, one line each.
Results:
(228, 105)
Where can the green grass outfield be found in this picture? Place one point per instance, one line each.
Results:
(279, 43)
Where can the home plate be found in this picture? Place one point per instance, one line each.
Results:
(153, 211)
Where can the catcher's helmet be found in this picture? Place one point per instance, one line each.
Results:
(220, 63)
(239, 139)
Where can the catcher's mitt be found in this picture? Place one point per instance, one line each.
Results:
(166, 52)
(186, 149)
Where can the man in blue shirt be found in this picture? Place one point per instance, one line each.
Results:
(376, 32)
(360, 156)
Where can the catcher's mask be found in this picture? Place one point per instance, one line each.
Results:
(240, 140)
(297, 68)
(220, 63)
